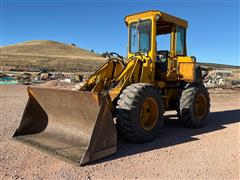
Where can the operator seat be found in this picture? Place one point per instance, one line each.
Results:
(161, 63)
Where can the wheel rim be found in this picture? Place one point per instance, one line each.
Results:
(200, 106)
(149, 114)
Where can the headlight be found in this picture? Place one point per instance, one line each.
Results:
(157, 17)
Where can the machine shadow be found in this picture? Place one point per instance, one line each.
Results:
(174, 133)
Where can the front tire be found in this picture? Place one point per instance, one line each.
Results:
(139, 112)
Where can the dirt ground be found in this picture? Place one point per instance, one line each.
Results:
(177, 153)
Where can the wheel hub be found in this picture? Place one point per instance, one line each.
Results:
(149, 114)
(200, 106)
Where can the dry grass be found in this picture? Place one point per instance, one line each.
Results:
(47, 48)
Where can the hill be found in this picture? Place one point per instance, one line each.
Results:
(51, 54)
(46, 48)
(218, 66)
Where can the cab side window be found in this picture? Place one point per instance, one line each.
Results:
(180, 41)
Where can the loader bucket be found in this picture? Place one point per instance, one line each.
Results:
(74, 125)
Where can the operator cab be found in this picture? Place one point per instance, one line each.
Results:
(158, 35)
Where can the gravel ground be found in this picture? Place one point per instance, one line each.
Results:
(177, 153)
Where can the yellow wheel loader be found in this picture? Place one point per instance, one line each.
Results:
(130, 96)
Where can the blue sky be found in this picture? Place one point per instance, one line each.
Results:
(212, 36)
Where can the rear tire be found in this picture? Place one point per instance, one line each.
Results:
(139, 112)
(194, 106)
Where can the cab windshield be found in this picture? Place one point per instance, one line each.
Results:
(140, 36)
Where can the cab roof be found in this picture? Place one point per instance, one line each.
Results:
(164, 17)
